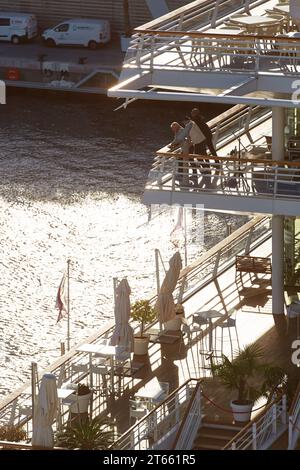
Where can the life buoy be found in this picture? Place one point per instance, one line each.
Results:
(13, 74)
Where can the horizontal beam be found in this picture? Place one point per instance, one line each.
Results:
(224, 203)
(117, 92)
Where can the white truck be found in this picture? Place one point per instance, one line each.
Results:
(78, 32)
(17, 27)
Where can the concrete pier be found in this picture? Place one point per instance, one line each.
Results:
(75, 69)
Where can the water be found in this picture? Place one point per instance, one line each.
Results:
(72, 176)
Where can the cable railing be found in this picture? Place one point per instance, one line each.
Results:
(231, 176)
(264, 430)
(149, 431)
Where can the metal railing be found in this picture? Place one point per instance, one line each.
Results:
(191, 421)
(190, 50)
(264, 430)
(154, 427)
(71, 366)
(200, 12)
(232, 176)
(294, 422)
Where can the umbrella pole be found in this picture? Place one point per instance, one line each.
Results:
(68, 324)
(33, 387)
(157, 270)
(185, 239)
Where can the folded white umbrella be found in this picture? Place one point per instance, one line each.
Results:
(45, 412)
(123, 334)
(165, 306)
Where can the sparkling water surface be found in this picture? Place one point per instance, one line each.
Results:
(72, 178)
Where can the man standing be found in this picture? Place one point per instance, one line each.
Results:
(208, 142)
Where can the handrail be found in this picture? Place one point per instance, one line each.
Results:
(205, 6)
(199, 157)
(213, 251)
(186, 414)
(198, 35)
(19, 446)
(253, 421)
(152, 412)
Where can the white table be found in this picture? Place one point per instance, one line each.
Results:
(209, 315)
(63, 393)
(151, 391)
(254, 22)
(101, 350)
(229, 31)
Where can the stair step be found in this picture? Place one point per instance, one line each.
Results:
(221, 437)
(210, 440)
(207, 447)
(228, 427)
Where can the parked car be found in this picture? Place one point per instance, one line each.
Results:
(17, 27)
(78, 32)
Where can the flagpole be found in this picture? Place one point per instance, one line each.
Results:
(68, 304)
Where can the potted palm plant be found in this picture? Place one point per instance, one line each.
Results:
(142, 312)
(92, 434)
(249, 377)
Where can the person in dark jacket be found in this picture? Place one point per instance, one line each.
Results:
(201, 149)
(208, 142)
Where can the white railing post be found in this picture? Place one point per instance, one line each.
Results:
(284, 410)
(249, 241)
(291, 431)
(155, 430)
(274, 419)
(152, 42)
(233, 446)
(140, 49)
(254, 437)
(216, 266)
(275, 180)
(177, 407)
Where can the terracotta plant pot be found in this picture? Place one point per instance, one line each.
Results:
(141, 345)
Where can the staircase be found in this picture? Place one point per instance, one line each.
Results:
(212, 436)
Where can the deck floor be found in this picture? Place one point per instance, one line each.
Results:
(177, 362)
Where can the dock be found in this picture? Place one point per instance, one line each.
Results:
(71, 69)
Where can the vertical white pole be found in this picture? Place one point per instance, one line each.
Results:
(185, 238)
(157, 270)
(33, 387)
(68, 280)
(277, 220)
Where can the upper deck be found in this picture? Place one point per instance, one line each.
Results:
(226, 52)
(250, 180)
